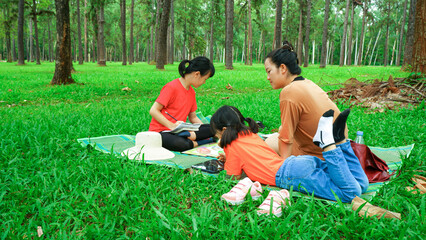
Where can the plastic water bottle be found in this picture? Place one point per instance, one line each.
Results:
(359, 137)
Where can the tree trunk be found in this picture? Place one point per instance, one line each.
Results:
(229, 33)
(171, 51)
(62, 74)
(80, 46)
(123, 30)
(213, 2)
(157, 29)
(7, 26)
(21, 60)
(14, 57)
(162, 41)
(300, 39)
(250, 35)
(361, 41)
(398, 56)
(30, 40)
(278, 25)
(86, 53)
(345, 29)
(419, 48)
(409, 41)
(101, 39)
(374, 47)
(386, 54)
(308, 28)
(324, 35)
(131, 47)
(349, 60)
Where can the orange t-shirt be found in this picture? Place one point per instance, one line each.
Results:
(302, 103)
(249, 153)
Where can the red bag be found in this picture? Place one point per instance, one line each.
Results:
(375, 168)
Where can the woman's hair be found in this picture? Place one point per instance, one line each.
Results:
(285, 55)
(201, 64)
(231, 118)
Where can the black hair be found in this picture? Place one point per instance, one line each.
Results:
(231, 118)
(286, 55)
(202, 64)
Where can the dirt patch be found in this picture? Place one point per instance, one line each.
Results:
(378, 95)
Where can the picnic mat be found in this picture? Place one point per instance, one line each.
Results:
(117, 143)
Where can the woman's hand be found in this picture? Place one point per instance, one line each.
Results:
(176, 124)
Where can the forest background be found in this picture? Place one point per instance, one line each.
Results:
(351, 32)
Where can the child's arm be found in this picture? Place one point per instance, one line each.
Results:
(155, 112)
(193, 118)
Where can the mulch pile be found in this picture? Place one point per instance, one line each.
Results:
(378, 95)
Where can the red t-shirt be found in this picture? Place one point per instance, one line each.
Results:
(252, 155)
(177, 101)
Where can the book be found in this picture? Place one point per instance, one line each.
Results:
(185, 127)
(206, 150)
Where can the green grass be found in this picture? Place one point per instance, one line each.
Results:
(47, 179)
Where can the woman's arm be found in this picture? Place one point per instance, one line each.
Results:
(285, 149)
(193, 118)
(155, 112)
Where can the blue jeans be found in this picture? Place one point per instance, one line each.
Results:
(340, 173)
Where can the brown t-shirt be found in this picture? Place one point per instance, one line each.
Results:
(302, 103)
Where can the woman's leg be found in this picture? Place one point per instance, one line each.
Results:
(203, 132)
(174, 142)
(354, 165)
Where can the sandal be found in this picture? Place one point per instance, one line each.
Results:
(238, 192)
(278, 200)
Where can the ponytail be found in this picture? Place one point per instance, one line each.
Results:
(287, 56)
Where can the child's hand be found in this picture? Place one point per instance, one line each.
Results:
(222, 157)
(176, 124)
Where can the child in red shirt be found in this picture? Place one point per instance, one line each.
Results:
(176, 103)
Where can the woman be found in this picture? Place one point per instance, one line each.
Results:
(302, 103)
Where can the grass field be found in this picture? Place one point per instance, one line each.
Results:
(47, 179)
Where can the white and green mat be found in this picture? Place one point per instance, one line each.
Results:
(117, 143)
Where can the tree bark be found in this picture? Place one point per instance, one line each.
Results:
(21, 60)
(86, 53)
(213, 4)
(278, 24)
(419, 48)
(30, 40)
(398, 56)
(157, 29)
(409, 41)
(345, 29)
(62, 74)
(162, 41)
(308, 28)
(101, 38)
(123, 30)
(80, 46)
(250, 35)
(324, 35)
(131, 47)
(7, 26)
(386, 54)
(171, 50)
(349, 59)
(361, 41)
(229, 33)
(300, 38)
(14, 55)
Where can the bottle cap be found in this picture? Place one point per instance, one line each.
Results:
(360, 133)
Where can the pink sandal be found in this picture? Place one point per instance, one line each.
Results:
(278, 199)
(238, 192)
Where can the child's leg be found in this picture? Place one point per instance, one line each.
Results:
(203, 132)
(174, 142)
(354, 165)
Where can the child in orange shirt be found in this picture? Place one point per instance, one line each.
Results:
(340, 173)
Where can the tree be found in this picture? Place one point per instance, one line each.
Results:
(62, 74)
(80, 47)
(37, 47)
(171, 48)
(86, 53)
(398, 57)
(308, 28)
(345, 29)
(409, 41)
(361, 41)
(386, 54)
(131, 48)
(250, 34)
(162, 41)
(229, 37)
(123, 29)
(101, 37)
(278, 24)
(300, 38)
(324, 35)
(21, 60)
(419, 48)
(212, 15)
